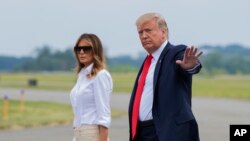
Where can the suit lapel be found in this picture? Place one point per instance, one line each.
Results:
(159, 63)
(156, 74)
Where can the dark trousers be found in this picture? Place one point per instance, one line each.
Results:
(146, 131)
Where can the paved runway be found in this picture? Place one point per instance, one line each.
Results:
(213, 116)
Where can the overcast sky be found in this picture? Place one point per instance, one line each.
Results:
(28, 24)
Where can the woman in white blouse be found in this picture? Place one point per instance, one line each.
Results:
(90, 97)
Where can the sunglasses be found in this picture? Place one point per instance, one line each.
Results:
(86, 49)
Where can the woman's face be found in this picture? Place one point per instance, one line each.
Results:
(84, 52)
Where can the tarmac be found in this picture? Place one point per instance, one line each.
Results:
(214, 117)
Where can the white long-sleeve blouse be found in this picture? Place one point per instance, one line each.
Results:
(90, 98)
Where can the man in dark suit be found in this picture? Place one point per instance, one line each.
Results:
(160, 104)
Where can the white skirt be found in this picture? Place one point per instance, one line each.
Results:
(87, 133)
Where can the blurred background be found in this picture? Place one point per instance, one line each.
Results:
(37, 62)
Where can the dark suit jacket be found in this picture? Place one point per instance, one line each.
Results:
(172, 114)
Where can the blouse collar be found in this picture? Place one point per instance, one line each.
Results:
(87, 69)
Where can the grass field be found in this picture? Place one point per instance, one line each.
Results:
(35, 114)
(48, 80)
(123, 82)
(38, 113)
(235, 86)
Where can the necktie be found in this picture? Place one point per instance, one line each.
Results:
(140, 86)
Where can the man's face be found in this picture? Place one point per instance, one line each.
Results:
(151, 35)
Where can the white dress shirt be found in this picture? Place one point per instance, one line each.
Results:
(90, 98)
(146, 103)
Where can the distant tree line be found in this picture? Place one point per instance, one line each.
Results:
(231, 59)
(47, 60)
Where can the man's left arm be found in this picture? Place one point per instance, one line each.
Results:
(195, 69)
